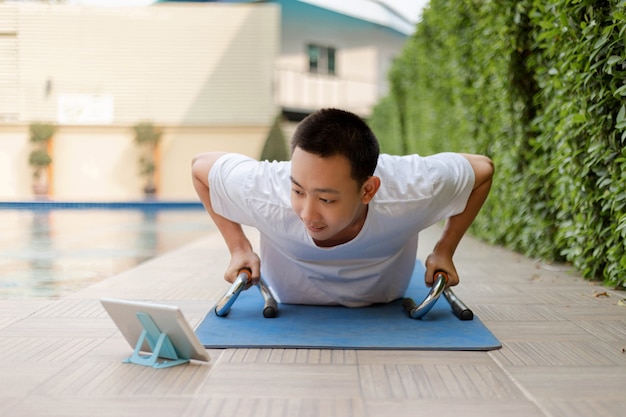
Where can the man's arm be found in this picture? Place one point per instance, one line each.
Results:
(241, 251)
(456, 226)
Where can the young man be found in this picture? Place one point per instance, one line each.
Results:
(339, 223)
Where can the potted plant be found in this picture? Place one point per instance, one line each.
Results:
(39, 158)
(147, 138)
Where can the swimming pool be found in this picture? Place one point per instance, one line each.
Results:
(50, 251)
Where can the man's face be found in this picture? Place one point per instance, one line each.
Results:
(327, 200)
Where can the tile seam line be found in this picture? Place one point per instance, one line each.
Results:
(521, 387)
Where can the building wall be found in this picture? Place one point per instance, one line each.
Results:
(213, 75)
(174, 64)
(364, 55)
(15, 175)
(101, 163)
(203, 72)
(8, 62)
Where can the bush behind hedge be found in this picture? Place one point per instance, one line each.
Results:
(539, 86)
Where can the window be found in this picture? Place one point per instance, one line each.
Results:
(321, 59)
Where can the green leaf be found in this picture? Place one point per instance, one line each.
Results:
(622, 114)
(600, 43)
(579, 118)
(620, 91)
(614, 59)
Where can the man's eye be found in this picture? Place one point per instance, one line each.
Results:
(296, 192)
(326, 201)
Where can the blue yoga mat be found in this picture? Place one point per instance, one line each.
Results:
(377, 327)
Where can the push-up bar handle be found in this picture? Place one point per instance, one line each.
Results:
(418, 311)
(458, 307)
(239, 284)
(270, 309)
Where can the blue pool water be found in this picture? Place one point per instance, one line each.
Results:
(51, 252)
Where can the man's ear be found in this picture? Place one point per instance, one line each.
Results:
(369, 189)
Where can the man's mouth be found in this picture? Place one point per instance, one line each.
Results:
(315, 228)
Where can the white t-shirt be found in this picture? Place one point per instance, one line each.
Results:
(374, 267)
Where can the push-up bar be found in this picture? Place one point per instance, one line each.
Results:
(439, 287)
(270, 308)
(243, 281)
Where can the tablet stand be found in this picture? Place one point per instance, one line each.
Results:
(159, 343)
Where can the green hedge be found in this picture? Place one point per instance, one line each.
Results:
(539, 86)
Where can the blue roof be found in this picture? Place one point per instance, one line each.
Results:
(368, 10)
(371, 11)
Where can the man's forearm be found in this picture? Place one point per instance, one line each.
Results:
(241, 250)
(456, 226)
(236, 240)
(232, 232)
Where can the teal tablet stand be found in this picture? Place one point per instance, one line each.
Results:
(159, 343)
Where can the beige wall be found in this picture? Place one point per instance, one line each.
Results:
(175, 64)
(15, 175)
(204, 72)
(101, 163)
(210, 73)
(181, 144)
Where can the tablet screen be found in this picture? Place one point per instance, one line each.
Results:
(169, 320)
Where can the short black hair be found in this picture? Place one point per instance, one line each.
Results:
(330, 132)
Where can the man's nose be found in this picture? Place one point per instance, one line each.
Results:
(308, 212)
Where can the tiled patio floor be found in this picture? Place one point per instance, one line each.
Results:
(563, 352)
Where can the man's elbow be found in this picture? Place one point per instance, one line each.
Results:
(483, 167)
(201, 164)
(488, 168)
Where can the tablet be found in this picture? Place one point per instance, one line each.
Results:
(169, 320)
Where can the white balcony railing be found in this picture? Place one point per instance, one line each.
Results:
(304, 90)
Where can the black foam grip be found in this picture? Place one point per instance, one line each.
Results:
(270, 310)
(460, 310)
(409, 305)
